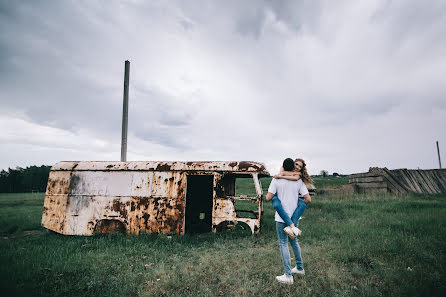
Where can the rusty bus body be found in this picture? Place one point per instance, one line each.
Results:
(153, 197)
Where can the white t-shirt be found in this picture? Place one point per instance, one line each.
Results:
(288, 192)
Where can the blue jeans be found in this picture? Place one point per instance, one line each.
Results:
(301, 206)
(285, 251)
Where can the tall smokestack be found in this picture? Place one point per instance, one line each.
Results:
(125, 112)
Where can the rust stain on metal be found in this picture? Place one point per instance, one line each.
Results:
(247, 165)
(163, 167)
(133, 197)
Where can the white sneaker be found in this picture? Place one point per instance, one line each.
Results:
(297, 231)
(296, 271)
(284, 279)
(289, 231)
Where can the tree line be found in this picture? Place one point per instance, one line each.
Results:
(22, 180)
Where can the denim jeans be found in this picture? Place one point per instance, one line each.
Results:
(285, 251)
(301, 206)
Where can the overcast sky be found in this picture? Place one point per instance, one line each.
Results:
(346, 85)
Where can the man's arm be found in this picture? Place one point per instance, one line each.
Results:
(269, 196)
(307, 198)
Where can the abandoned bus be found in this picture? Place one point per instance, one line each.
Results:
(83, 198)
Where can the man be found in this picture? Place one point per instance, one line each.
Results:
(287, 191)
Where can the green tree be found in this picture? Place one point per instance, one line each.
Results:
(324, 173)
(18, 180)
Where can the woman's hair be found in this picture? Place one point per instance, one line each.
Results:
(306, 178)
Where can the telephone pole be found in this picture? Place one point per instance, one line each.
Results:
(125, 112)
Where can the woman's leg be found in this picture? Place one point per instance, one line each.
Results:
(301, 206)
(278, 207)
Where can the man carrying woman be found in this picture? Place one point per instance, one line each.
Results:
(287, 192)
(299, 172)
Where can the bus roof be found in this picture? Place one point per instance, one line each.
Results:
(219, 166)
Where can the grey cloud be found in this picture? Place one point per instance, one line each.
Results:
(175, 119)
(160, 135)
(410, 16)
(251, 23)
(186, 24)
(297, 13)
(46, 63)
(247, 18)
(51, 92)
(62, 66)
(49, 85)
(339, 111)
(160, 118)
(411, 20)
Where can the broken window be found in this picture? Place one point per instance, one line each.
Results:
(245, 198)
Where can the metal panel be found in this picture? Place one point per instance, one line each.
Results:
(133, 197)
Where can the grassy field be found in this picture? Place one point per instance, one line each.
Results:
(351, 246)
(246, 185)
(329, 181)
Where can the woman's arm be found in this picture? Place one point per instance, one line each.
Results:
(288, 176)
(290, 173)
(283, 172)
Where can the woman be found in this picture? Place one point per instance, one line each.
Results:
(299, 172)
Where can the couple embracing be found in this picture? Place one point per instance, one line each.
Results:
(284, 191)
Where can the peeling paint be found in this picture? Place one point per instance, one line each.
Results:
(133, 197)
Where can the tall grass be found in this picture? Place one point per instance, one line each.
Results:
(362, 245)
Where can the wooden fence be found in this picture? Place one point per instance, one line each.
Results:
(400, 181)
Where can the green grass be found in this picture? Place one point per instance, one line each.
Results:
(363, 245)
(329, 181)
(246, 185)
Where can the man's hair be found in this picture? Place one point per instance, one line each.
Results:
(288, 164)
